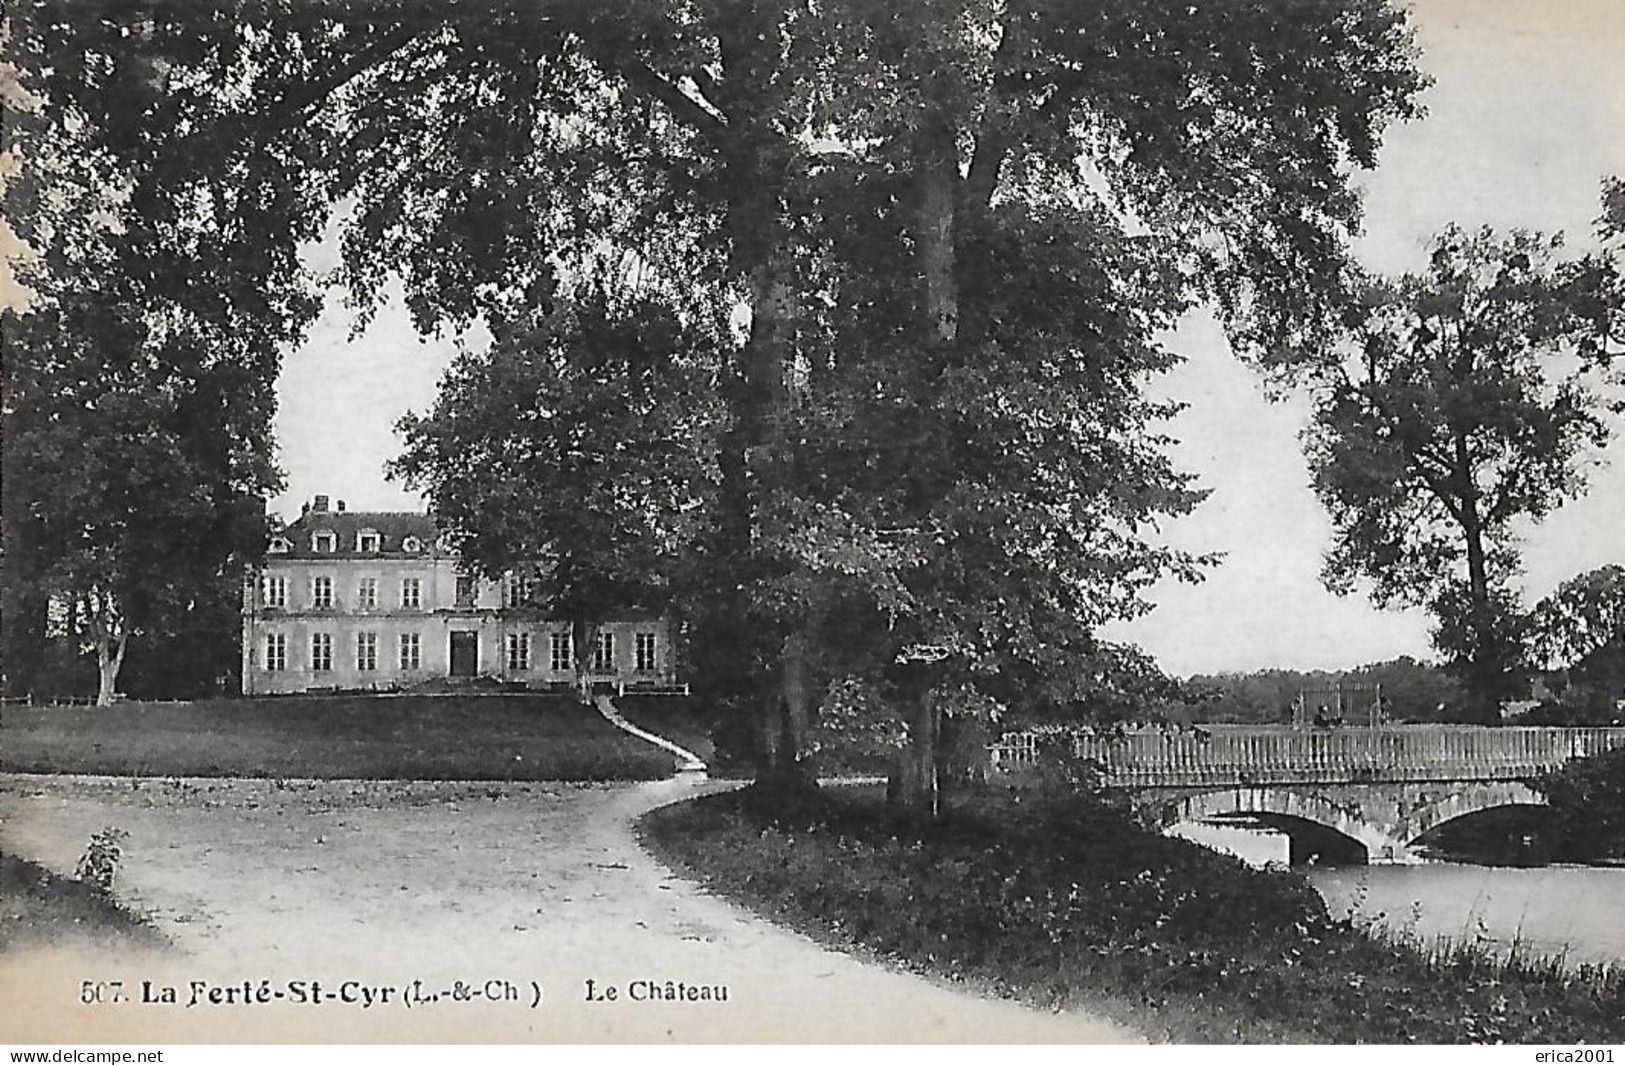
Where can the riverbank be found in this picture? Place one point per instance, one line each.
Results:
(1066, 906)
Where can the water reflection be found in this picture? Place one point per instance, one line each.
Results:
(1576, 911)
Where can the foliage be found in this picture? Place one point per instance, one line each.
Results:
(1465, 406)
(99, 864)
(1579, 635)
(951, 231)
(1411, 691)
(1076, 906)
(164, 284)
(1588, 796)
(593, 424)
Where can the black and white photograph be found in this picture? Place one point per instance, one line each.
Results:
(812, 522)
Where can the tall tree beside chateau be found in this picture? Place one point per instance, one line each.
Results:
(1466, 405)
(1052, 184)
(593, 425)
(140, 374)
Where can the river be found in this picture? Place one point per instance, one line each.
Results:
(1551, 910)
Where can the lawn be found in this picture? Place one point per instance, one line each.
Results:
(37, 908)
(725, 742)
(420, 737)
(685, 721)
(1066, 904)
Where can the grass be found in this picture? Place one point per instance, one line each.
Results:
(686, 722)
(724, 741)
(1075, 906)
(39, 908)
(427, 737)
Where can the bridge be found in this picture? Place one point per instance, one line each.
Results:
(1380, 787)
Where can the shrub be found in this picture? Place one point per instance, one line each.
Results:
(99, 864)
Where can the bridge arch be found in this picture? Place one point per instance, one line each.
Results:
(1287, 803)
(1464, 801)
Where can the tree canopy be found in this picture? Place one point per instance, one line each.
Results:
(948, 235)
(1465, 405)
(593, 427)
(140, 374)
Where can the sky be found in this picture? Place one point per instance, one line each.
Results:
(1525, 117)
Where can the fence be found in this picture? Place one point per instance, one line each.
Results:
(1245, 755)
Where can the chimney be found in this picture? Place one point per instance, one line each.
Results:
(341, 506)
(319, 504)
(304, 508)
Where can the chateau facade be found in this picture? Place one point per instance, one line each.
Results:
(376, 600)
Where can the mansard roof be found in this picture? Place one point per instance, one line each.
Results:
(394, 528)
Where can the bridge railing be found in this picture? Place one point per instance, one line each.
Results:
(1246, 754)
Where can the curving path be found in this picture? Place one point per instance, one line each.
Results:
(384, 883)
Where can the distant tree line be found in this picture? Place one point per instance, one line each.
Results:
(1411, 691)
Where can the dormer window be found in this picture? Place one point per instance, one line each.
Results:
(280, 545)
(411, 545)
(325, 542)
(368, 542)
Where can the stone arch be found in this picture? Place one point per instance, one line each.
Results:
(1284, 802)
(1464, 800)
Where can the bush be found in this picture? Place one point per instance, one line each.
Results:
(1588, 797)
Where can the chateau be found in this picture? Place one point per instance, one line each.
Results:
(376, 600)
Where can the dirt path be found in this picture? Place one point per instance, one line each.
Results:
(384, 883)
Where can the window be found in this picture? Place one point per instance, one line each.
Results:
(324, 542)
(411, 650)
(645, 652)
(321, 593)
(276, 652)
(274, 592)
(559, 657)
(411, 545)
(368, 594)
(518, 591)
(603, 653)
(411, 593)
(321, 652)
(366, 651)
(368, 542)
(465, 590)
(280, 545)
(519, 650)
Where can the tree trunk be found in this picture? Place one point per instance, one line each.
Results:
(787, 721)
(1484, 665)
(914, 784)
(583, 634)
(109, 659)
(753, 153)
(914, 781)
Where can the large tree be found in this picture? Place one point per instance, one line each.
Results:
(1464, 407)
(140, 375)
(592, 423)
(1578, 633)
(1016, 197)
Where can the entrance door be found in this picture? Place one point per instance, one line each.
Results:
(465, 654)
